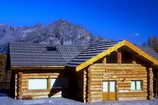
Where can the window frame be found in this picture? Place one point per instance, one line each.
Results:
(136, 85)
(108, 89)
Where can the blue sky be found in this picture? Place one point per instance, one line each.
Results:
(133, 20)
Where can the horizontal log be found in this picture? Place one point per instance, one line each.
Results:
(95, 86)
(46, 68)
(131, 98)
(118, 70)
(96, 92)
(115, 64)
(95, 96)
(132, 94)
(95, 83)
(37, 93)
(39, 96)
(37, 74)
(27, 77)
(41, 93)
(94, 89)
(124, 84)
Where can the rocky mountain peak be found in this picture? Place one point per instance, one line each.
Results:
(59, 32)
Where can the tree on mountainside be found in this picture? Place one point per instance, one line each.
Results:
(153, 42)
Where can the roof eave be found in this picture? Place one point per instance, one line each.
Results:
(37, 67)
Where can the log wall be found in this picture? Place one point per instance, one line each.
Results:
(21, 85)
(4, 74)
(123, 74)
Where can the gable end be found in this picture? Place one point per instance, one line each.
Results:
(114, 48)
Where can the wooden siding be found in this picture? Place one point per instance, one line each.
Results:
(123, 74)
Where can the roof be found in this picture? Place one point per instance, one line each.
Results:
(28, 54)
(22, 54)
(68, 52)
(93, 49)
(150, 51)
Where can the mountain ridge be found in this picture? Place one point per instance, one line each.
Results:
(60, 32)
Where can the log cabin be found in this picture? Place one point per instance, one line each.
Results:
(102, 71)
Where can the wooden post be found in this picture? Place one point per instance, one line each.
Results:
(151, 91)
(104, 60)
(49, 84)
(119, 57)
(88, 85)
(15, 85)
(134, 62)
(84, 85)
(19, 87)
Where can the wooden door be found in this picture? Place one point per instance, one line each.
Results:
(109, 90)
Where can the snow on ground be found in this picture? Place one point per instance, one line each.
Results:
(4, 100)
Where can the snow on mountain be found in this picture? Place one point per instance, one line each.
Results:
(59, 32)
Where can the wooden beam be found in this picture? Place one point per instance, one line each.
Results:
(37, 67)
(140, 52)
(119, 57)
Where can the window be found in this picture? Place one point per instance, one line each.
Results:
(105, 86)
(37, 84)
(136, 85)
